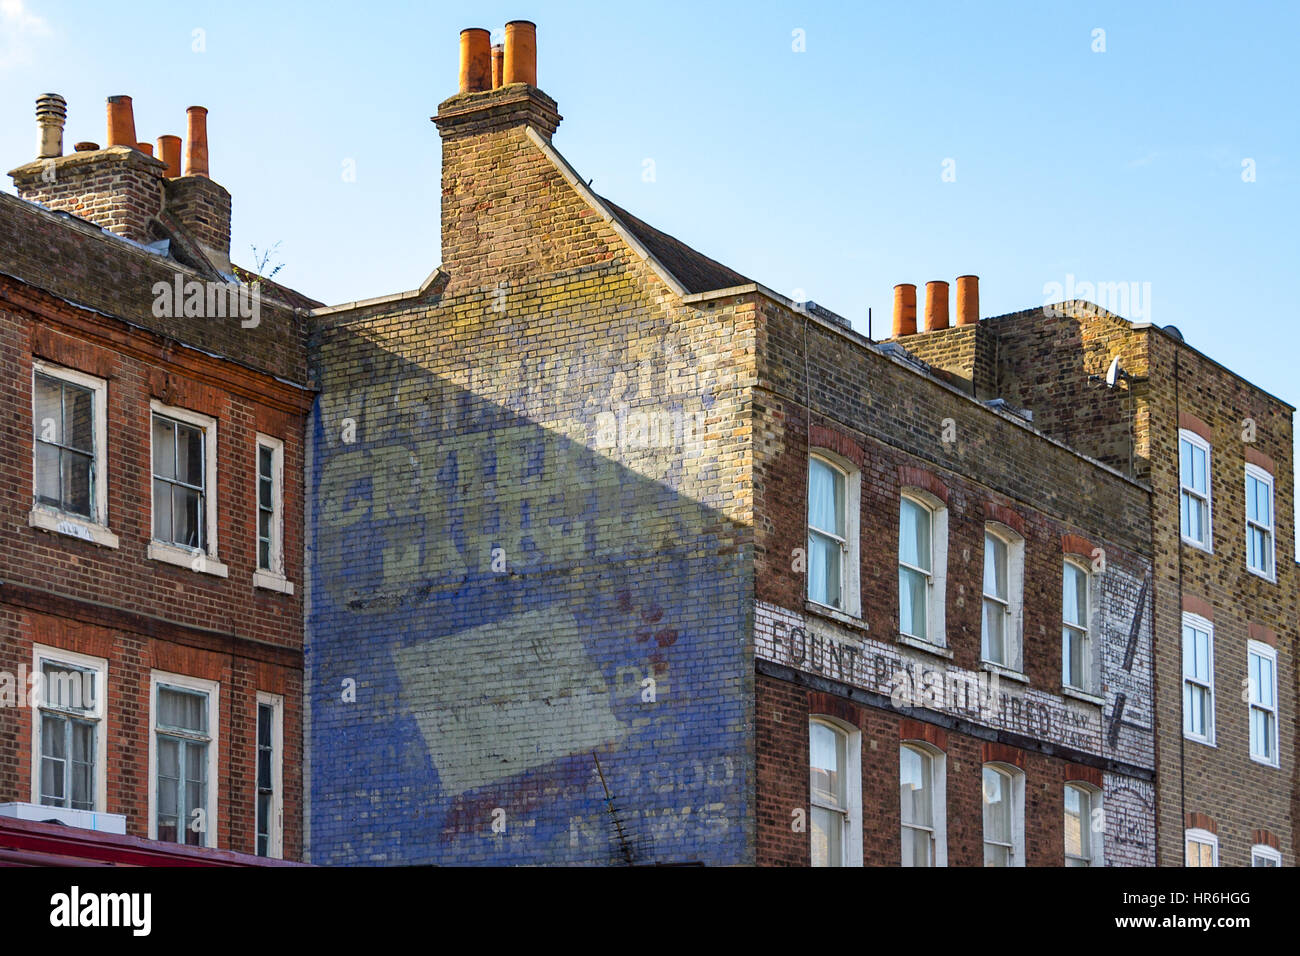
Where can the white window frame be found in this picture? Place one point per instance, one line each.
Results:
(275, 841)
(851, 853)
(273, 578)
(204, 561)
(937, 578)
(1091, 664)
(1014, 604)
(1266, 852)
(938, 803)
(1262, 476)
(1017, 808)
(212, 688)
(1205, 837)
(95, 528)
(1259, 649)
(1096, 837)
(1197, 441)
(1199, 623)
(850, 548)
(55, 655)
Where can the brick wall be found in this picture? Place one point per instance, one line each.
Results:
(138, 613)
(532, 496)
(899, 428)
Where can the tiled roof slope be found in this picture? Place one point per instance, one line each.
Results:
(82, 264)
(694, 270)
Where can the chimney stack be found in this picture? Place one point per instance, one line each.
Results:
(51, 111)
(196, 141)
(475, 60)
(169, 151)
(521, 53)
(904, 309)
(968, 300)
(936, 305)
(121, 122)
(498, 64)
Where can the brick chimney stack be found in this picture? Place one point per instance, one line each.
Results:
(124, 189)
(488, 159)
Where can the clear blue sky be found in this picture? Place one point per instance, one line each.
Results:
(819, 171)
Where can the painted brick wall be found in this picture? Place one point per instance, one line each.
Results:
(890, 423)
(557, 414)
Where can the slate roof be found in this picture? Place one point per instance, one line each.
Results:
(694, 270)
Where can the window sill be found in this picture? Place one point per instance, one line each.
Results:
(1083, 695)
(73, 527)
(271, 581)
(1264, 763)
(1201, 740)
(920, 645)
(186, 558)
(1192, 543)
(1003, 671)
(836, 615)
(1270, 578)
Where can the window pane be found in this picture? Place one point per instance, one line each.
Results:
(189, 455)
(164, 448)
(76, 483)
(912, 603)
(162, 510)
(49, 484)
(83, 766)
(994, 643)
(183, 709)
(827, 838)
(918, 847)
(825, 498)
(995, 567)
(914, 787)
(1194, 700)
(47, 409)
(824, 572)
(826, 753)
(997, 806)
(79, 418)
(264, 493)
(1074, 595)
(265, 457)
(1078, 822)
(187, 515)
(1073, 660)
(914, 535)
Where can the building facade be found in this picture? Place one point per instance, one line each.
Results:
(152, 502)
(1216, 452)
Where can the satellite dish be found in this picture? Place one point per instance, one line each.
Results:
(1114, 373)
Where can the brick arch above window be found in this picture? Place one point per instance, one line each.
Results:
(1265, 838)
(832, 439)
(1201, 821)
(1005, 516)
(829, 705)
(1260, 460)
(1077, 544)
(1265, 635)
(910, 476)
(1078, 773)
(1198, 606)
(1192, 423)
(1003, 753)
(932, 734)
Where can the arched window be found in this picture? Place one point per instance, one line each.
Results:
(835, 826)
(833, 495)
(922, 566)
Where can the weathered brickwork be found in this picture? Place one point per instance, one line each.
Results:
(530, 550)
(1044, 360)
(890, 424)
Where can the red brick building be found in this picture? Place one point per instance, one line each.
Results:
(152, 504)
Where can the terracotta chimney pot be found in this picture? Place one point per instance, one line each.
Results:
(936, 306)
(475, 60)
(121, 122)
(904, 309)
(196, 141)
(169, 151)
(968, 300)
(521, 53)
